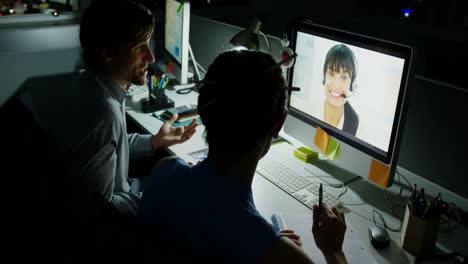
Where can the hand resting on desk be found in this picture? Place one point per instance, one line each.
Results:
(328, 231)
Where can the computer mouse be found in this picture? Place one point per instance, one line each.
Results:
(379, 237)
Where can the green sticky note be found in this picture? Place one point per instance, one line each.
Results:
(333, 149)
(180, 7)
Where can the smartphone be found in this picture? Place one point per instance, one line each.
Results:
(183, 110)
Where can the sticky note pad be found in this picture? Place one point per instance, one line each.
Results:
(321, 139)
(305, 154)
(332, 149)
(379, 173)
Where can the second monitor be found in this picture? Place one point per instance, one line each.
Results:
(176, 36)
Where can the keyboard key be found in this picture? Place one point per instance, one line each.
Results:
(294, 184)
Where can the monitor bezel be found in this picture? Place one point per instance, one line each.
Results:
(376, 44)
(60, 6)
(182, 76)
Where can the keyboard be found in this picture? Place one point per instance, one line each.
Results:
(294, 184)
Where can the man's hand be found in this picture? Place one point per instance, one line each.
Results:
(289, 233)
(329, 229)
(169, 135)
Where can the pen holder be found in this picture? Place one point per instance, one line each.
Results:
(418, 236)
(159, 94)
(158, 101)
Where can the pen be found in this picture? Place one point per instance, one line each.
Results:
(166, 80)
(150, 82)
(422, 202)
(320, 199)
(413, 200)
(161, 81)
(427, 211)
(150, 86)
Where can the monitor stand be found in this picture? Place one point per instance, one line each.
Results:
(348, 165)
(334, 169)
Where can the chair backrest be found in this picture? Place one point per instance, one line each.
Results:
(24, 147)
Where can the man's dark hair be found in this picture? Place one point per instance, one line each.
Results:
(109, 24)
(243, 95)
(341, 57)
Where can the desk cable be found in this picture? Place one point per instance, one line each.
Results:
(188, 90)
(384, 223)
(341, 185)
(391, 206)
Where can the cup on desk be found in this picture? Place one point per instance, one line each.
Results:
(419, 235)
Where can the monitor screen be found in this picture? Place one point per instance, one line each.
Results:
(176, 35)
(352, 86)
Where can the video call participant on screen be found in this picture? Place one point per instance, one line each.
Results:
(339, 76)
(208, 209)
(85, 120)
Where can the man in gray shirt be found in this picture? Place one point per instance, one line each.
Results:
(84, 120)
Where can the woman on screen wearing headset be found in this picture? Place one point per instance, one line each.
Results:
(339, 76)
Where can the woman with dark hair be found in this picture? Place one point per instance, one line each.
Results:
(339, 80)
(208, 209)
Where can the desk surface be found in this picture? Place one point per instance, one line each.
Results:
(361, 198)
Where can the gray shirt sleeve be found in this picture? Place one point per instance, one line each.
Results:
(99, 177)
(140, 145)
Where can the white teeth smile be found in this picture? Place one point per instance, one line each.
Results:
(335, 94)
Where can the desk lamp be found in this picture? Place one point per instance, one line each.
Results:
(248, 37)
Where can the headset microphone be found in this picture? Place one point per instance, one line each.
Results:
(353, 89)
(347, 96)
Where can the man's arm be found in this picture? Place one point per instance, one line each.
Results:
(168, 135)
(140, 145)
(99, 176)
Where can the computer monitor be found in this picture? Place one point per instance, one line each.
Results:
(176, 36)
(60, 5)
(353, 87)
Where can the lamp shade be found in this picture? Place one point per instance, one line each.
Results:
(249, 37)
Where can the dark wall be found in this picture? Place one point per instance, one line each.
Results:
(434, 140)
(436, 28)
